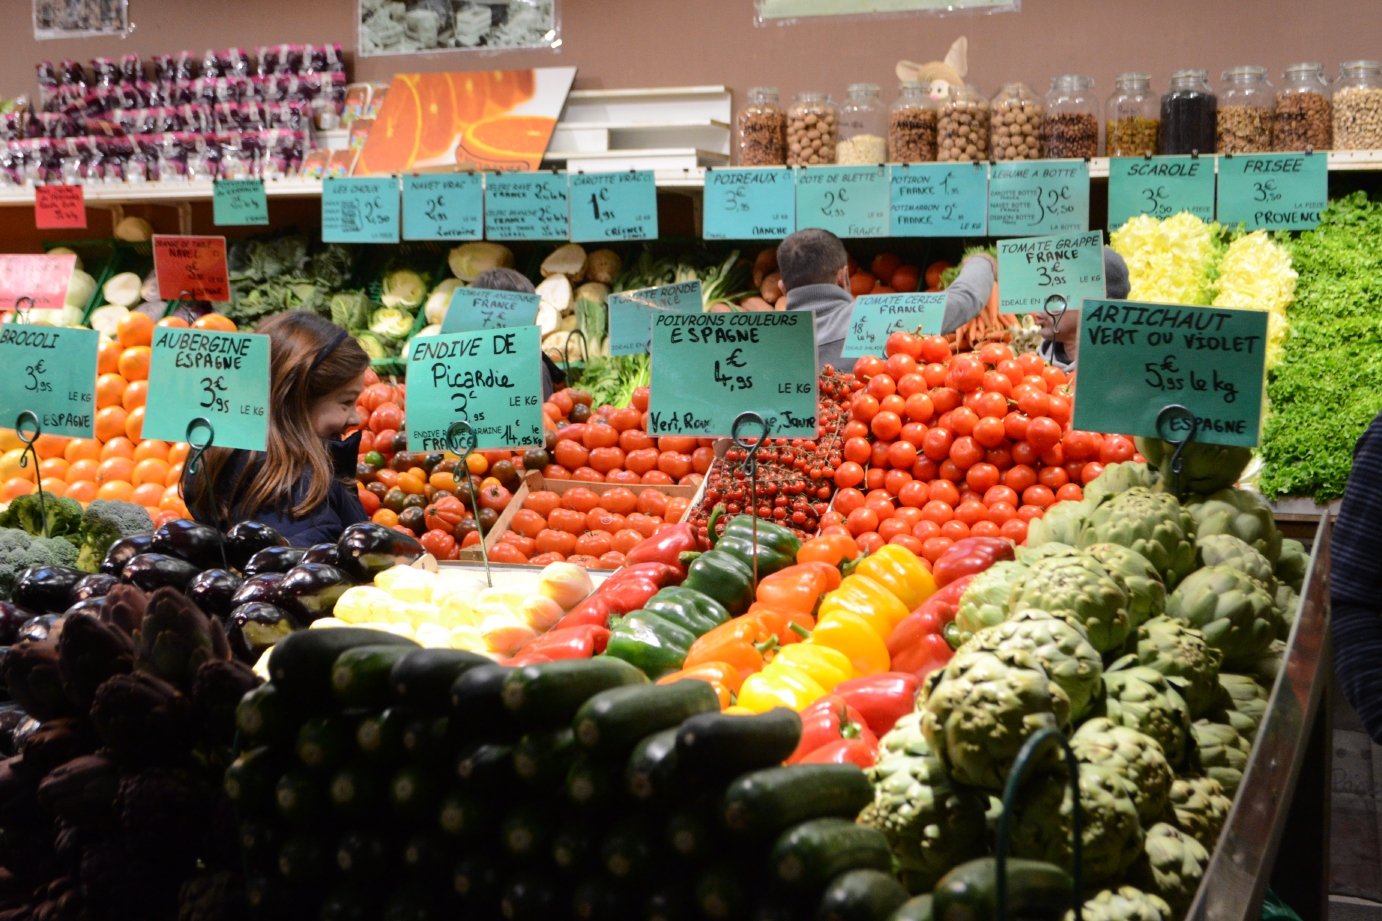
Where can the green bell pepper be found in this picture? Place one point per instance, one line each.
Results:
(688, 608)
(777, 546)
(650, 643)
(721, 575)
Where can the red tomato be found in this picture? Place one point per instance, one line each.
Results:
(992, 404)
(945, 491)
(626, 539)
(621, 499)
(963, 420)
(1060, 408)
(1024, 453)
(886, 425)
(935, 349)
(955, 529)
(640, 398)
(440, 544)
(542, 501)
(933, 547)
(1070, 492)
(676, 508)
(568, 520)
(1015, 425)
(868, 366)
(965, 452)
(984, 529)
(1053, 478)
(864, 407)
(892, 527)
(675, 464)
(908, 385)
(915, 494)
(914, 433)
(925, 529)
(937, 511)
(556, 541)
(994, 352)
(997, 382)
(587, 475)
(925, 470)
(495, 497)
(882, 385)
(848, 499)
(1117, 449)
(1044, 433)
(1053, 376)
(919, 408)
(861, 520)
(990, 432)
(966, 374)
(599, 435)
(1015, 530)
(899, 366)
(1031, 401)
(868, 542)
(1053, 456)
(368, 500)
(385, 416)
(945, 399)
(606, 459)
(623, 476)
(895, 480)
(908, 514)
(1039, 495)
(908, 541)
(1012, 371)
(1037, 381)
(937, 444)
(526, 545)
(627, 418)
(902, 455)
(652, 502)
(1000, 512)
(580, 499)
(1090, 472)
(892, 404)
(882, 508)
(982, 477)
(528, 522)
(646, 525)
(636, 440)
(641, 461)
(1078, 445)
(570, 454)
(901, 342)
(1019, 478)
(702, 458)
(1001, 456)
(969, 512)
(680, 444)
(996, 494)
(849, 474)
(594, 543)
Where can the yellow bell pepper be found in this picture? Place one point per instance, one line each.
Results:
(777, 686)
(855, 637)
(826, 666)
(736, 710)
(861, 595)
(899, 571)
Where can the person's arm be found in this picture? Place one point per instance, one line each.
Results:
(1355, 583)
(969, 292)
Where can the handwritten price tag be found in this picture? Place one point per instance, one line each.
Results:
(360, 210)
(631, 314)
(195, 265)
(848, 201)
(613, 206)
(221, 377)
(59, 207)
(474, 309)
(1285, 191)
(1038, 198)
(749, 204)
(51, 373)
(1159, 187)
(42, 279)
(878, 316)
(1031, 269)
(526, 206)
(710, 367)
(441, 206)
(939, 199)
(1148, 356)
(490, 379)
(239, 202)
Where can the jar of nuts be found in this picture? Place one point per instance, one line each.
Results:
(912, 124)
(962, 131)
(1358, 106)
(1072, 118)
(862, 118)
(1187, 114)
(1017, 119)
(1244, 120)
(1134, 117)
(762, 129)
(1303, 119)
(812, 129)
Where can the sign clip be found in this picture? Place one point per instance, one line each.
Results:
(29, 418)
(1064, 304)
(751, 470)
(1164, 419)
(194, 464)
(461, 439)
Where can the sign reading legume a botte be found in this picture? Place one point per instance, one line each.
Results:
(1038, 197)
(50, 372)
(220, 377)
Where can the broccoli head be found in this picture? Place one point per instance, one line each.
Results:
(105, 522)
(64, 515)
(19, 551)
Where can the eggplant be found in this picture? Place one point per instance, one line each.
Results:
(92, 606)
(150, 571)
(329, 554)
(249, 537)
(46, 589)
(11, 715)
(37, 628)
(12, 617)
(96, 585)
(124, 550)
(273, 559)
(213, 591)
(262, 588)
(197, 543)
(310, 590)
(254, 627)
(368, 549)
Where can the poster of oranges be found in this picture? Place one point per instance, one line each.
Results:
(491, 120)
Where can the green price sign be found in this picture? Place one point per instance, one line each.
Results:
(1145, 357)
(631, 314)
(52, 375)
(1032, 269)
(239, 202)
(1159, 187)
(848, 201)
(474, 309)
(1033, 198)
(749, 204)
(878, 316)
(360, 210)
(443, 206)
(939, 199)
(710, 367)
(220, 377)
(613, 206)
(526, 206)
(491, 380)
(1285, 191)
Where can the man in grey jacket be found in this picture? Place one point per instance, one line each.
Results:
(815, 276)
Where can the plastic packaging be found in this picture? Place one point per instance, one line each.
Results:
(1358, 106)
(1244, 117)
(1188, 122)
(912, 125)
(762, 129)
(1018, 120)
(962, 131)
(1303, 119)
(812, 130)
(1072, 118)
(862, 121)
(1134, 117)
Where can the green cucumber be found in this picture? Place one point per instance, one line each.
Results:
(425, 738)
(766, 802)
(611, 723)
(300, 797)
(550, 693)
(475, 880)
(529, 897)
(600, 899)
(422, 678)
(688, 833)
(355, 789)
(574, 847)
(720, 893)
(590, 784)
(487, 768)
(303, 858)
(917, 908)
(667, 904)
(652, 767)
(862, 895)
(464, 815)
(811, 854)
(301, 663)
(477, 705)
(721, 746)
(1036, 890)
(361, 855)
(544, 756)
(263, 715)
(360, 676)
(412, 791)
(525, 832)
(425, 855)
(379, 736)
(323, 742)
(250, 779)
(629, 851)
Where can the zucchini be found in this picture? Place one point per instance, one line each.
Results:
(550, 693)
(525, 832)
(477, 705)
(360, 677)
(361, 855)
(529, 897)
(766, 802)
(544, 756)
(720, 894)
(301, 663)
(412, 791)
(355, 789)
(666, 904)
(347, 904)
(629, 851)
(463, 815)
(422, 678)
(300, 797)
(688, 834)
(414, 902)
(611, 723)
(250, 779)
(589, 784)
(303, 859)
(379, 736)
(323, 742)
(425, 738)
(600, 899)
(259, 840)
(721, 746)
(917, 908)
(264, 715)
(809, 855)
(475, 880)
(1036, 890)
(652, 767)
(573, 847)
(775, 904)
(425, 855)
(487, 769)
(862, 895)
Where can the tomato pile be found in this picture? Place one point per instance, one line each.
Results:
(939, 447)
(612, 445)
(581, 526)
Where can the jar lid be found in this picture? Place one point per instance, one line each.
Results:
(913, 86)
(1304, 69)
(1190, 75)
(1242, 73)
(1133, 76)
(762, 91)
(1347, 66)
(1072, 82)
(811, 97)
(855, 88)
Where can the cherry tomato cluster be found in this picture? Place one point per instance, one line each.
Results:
(582, 526)
(612, 445)
(939, 447)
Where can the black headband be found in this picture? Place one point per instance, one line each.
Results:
(325, 353)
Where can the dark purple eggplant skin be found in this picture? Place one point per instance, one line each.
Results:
(273, 559)
(213, 590)
(150, 571)
(37, 628)
(368, 549)
(247, 538)
(310, 590)
(198, 544)
(90, 606)
(329, 554)
(254, 627)
(124, 550)
(12, 617)
(96, 585)
(46, 589)
(262, 588)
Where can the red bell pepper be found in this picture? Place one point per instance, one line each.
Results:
(664, 546)
(844, 751)
(831, 719)
(568, 643)
(663, 574)
(921, 648)
(882, 699)
(970, 556)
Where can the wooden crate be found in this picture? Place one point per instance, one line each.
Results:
(506, 516)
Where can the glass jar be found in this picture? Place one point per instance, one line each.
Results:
(863, 132)
(912, 124)
(962, 129)
(1017, 118)
(1134, 117)
(1187, 114)
(812, 129)
(1303, 118)
(1072, 118)
(1244, 118)
(1358, 106)
(762, 129)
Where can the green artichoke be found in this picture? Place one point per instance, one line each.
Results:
(1078, 589)
(1060, 525)
(1236, 612)
(1135, 756)
(983, 708)
(1117, 478)
(931, 824)
(1233, 552)
(1112, 837)
(1181, 653)
(1205, 467)
(1266, 666)
(1240, 513)
(1197, 806)
(1063, 651)
(1151, 523)
(1287, 603)
(1144, 699)
(1136, 576)
(1291, 565)
(1126, 904)
(1243, 696)
(985, 600)
(1222, 752)
(1171, 866)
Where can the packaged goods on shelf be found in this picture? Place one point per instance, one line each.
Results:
(1358, 106)
(862, 131)
(1072, 118)
(912, 125)
(762, 129)
(812, 130)
(962, 131)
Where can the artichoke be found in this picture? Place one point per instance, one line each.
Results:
(216, 692)
(1143, 699)
(1235, 612)
(1134, 756)
(931, 824)
(983, 708)
(1115, 479)
(1126, 904)
(1136, 576)
(167, 813)
(175, 638)
(1063, 651)
(985, 599)
(1112, 836)
(1171, 866)
(124, 607)
(1240, 513)
(1230, 551)
(1205, 467)
(56, 742)
(1291, 565)
(1223, 753)
(1077, 589)
(1181, 653)
(89, 652)
(1266, 666)
(1198, 808)
(1244, 696)
(142, 719)
(82, 791)
(1061, 524)
(31, 673)
(1287, 604)
(1151, 523)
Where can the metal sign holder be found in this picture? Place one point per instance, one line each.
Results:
(751, 470)
(194, 464)
(29, 418)
(461, 439)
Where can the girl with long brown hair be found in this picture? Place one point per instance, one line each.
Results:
(304, 484)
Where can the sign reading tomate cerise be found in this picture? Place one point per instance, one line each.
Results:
(191, 267)
(222, 378)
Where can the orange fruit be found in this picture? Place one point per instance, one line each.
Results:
(108, 356)
(10, 466)
(117, 468)
(53, 466)
(48, 446)
(134, 424)
(134, 363)
(84, 469)
(508, 88)
(171, 499)
(147, 495)
(82, 490)
(135, 328)
(174, 476)
(110, 390)
(135, 395)
(394, 139)
(178, 452)
(149, 448)
(174, 322)
(150, 470)
(508, 139)
(110, 422)
(214, 321)
(82, 449)
(115, 491)
(469, 92)
(54, 486)
(117, 447)
(14, 488)
(436, 97)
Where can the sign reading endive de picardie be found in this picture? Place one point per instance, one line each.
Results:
(204, 374)
(710, 367)
(490, 379)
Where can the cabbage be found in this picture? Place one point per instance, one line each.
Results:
(440, 299)
(64, 251)
(470, 259)
(105, 319)
(372, 346)
(402, 288)
(67, 315)
(134, 230)
(350, 309)
(123, 289)
(80, 288)
(391, 323)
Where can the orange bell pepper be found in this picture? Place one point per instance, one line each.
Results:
(740, 643)
(721, 675)
(784, 624)
(832, 549)
(799, 587)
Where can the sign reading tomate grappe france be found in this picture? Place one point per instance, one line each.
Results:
(1135, 359)
(490, 379)
(710, 367)
(50, 372)
(220, 377)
